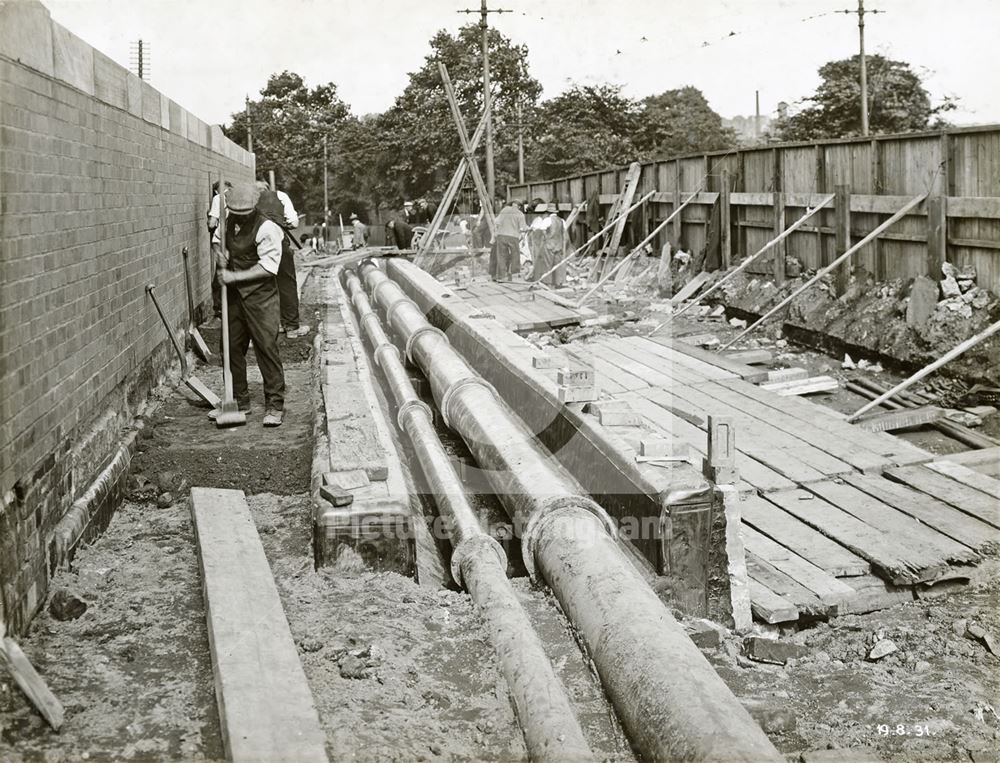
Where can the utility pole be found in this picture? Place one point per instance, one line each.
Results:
(139, 59)
(520, 144)
(756, 119)
(484, 12)
(326, 191)
(249, 126)
(864, 65)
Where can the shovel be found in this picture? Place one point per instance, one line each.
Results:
(195, 384)
(198, 343)
(229, 414)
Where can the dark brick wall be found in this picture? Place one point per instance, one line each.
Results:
(103, 180)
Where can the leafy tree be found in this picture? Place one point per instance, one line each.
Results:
(897, 102)
(418, 135)
(289, 123)
(677, 122)
(586, 128)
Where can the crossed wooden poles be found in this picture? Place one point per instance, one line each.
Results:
(466, 163)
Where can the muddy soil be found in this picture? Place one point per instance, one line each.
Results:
(133, 672)
(935, 696)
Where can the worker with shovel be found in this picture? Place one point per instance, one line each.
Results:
(248, 268)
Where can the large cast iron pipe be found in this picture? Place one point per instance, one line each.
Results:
(551, 731)
(673, 705)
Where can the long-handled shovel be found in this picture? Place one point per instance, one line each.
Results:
(198, 343)
(229, 414)
(194, 384)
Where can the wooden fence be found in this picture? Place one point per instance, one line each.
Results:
(746, 196)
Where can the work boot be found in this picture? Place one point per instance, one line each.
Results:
(272, 417)
(214, 413)
(296, 333)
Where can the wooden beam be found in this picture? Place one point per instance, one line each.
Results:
(842, 228)
(725, 222)
(778, 262)
(974, 206)
(265, 706)
(32, 684)
(707, 198)
(937, 236)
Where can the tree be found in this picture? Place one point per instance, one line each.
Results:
(289, 123)
(586, 128)
(418, 134)
(678, 122)
(897, 102)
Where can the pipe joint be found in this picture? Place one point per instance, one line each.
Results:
(394, 305)
(379, 351)
(406, 410)
(416, 334)
(552, 508)
(477, 547)
(449, 395)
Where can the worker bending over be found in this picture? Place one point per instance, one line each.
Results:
(247, 271)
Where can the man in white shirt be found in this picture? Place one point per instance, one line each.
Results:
(248, 269)
(278, 208)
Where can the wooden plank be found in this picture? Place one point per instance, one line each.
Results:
(827, 588)
(730, 366)
(605, 366)
(881, 549)
(802, 386)
(851, 453)
(757, 436)
(901, 418)
(679, 368)
(690, 288)
(748, 357)
(899, 451)
(29, 682)
(708, 365)
(962, 497)
(642, 369)
(265, 705)
(967, 476)
(938, 549)
(768, 606)
(872, 593)
(985, 460)
(944, 518)
(752, 471)
(972, 206)
(785, 586)
(802, 539)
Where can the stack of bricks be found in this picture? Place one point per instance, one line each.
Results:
(104, 180)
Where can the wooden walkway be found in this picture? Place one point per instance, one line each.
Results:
(520, 308)
(836, 519)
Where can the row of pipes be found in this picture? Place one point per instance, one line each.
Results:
(671, 702)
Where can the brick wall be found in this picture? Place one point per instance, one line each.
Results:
(103, 180)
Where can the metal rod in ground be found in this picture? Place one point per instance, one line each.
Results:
(672, 703)
(551, 730)
(743, 265)
(829, 268)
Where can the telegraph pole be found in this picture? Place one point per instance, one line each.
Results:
(326, 191)
(520, 144)
(484, 12)
(139, 59)
(864, 66)
(249, 126)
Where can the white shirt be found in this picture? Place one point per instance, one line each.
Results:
(268, 240)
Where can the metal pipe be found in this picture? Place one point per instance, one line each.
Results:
(551, 730)
(672, 703)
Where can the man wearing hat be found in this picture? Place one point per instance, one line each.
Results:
(409, 213)
(248, 270)
(360, 232)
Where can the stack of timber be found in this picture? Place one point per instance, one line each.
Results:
(836, 519)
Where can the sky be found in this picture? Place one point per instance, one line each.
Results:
(208, 54)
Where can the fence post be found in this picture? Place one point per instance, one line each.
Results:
(842, 231)
(779, 248)
(677, 228)
(878, 251)
(937, 235)
(725, 242)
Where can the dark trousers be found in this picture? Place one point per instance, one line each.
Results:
(288, 291)
(253, 317)
(508, 257)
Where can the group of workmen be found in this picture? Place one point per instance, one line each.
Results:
(257, 269)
